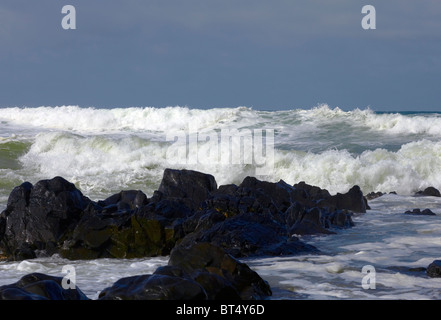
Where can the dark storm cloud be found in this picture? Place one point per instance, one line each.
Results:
(212, 53)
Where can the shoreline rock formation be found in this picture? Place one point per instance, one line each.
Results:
(187, 212)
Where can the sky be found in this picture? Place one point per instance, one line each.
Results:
(263, 54)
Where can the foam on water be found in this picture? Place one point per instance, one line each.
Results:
(103, 164)
(394, 243)
(92, 120)
(162, 119)
(91, 276)
(104, 151)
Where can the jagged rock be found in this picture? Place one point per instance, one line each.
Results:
(312, 193)
(352, 200)
(253, 218)
(39, 218)
(314, 196)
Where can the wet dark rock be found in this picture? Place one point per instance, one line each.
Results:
(38, 286)
(430, 191)
(305, 221)
(151, 230)
(434, 269)
(352, 200)
(253, 218)
(190, 187)
(312, 193)
(200, 271)
(125, 200)
(158, 286)
(425, 212)
(374, 195)
(98, 235)
(278, 193)
(39, 218)
(209, 264)
(310, 222)
(259, 218)
(249, 234)
(314, 196)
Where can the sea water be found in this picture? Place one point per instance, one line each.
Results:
(104, 151)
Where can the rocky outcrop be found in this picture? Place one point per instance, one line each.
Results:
(40, 217)
(204, 228)
(253, 218)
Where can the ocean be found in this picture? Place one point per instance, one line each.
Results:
(104, 151)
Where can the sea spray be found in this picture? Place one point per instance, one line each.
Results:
(107, 150)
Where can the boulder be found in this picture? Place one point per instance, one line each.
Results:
(430, 191)
(434, 269)
(190, 187)
(38, 218)
(150, 230)
(200, 271)
(38, 286)
(209, 264)
(166, 283)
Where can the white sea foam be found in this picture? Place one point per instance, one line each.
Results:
(92, 120)
(107, 150)
(106, 163)
(30, 266)
(138, 119)
(91, 276)
(384, 238)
